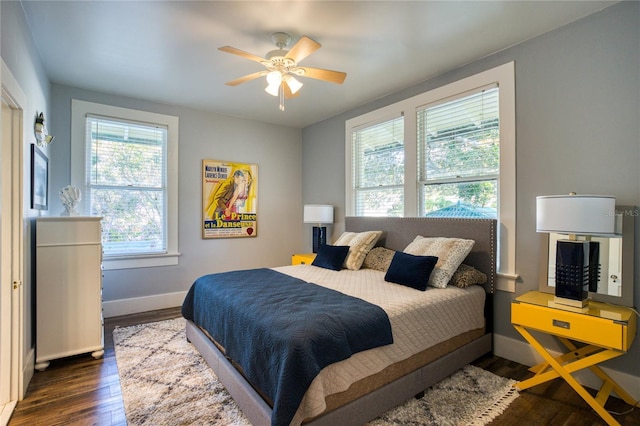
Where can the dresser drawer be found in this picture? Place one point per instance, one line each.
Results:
(584, 328)
(65, 230)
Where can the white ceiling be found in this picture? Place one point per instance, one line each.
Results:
(167, 51)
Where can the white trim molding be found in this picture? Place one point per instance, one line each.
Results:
(504, 77)
(134, 305)
(79, 111)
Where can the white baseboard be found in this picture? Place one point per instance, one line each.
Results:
(6, 411)
(27, 372)
(523, 353)
(114, 308)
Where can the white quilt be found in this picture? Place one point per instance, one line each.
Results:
(419, 320)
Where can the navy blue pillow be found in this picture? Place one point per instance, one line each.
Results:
(410, 270)
(331, 257)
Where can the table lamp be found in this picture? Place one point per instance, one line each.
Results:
(577, 261)
(318, 214)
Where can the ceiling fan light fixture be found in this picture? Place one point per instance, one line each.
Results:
(282, 67)
(273, 89)
(274, 78)
(293, 83)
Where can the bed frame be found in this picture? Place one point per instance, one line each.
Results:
(398, 233)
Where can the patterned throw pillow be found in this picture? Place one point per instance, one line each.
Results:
(467, 275)
(379, 258)
(359, 245)
(449, 251)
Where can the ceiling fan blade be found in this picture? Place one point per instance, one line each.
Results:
(242, 53)
(321, 74)
(288, 94)
(303, 48)
(246, 78)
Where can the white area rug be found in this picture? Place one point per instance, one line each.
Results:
(165, 381)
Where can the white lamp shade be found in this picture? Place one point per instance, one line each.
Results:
(293, 84)
(318, 213)
(273, 89)
(576, 214)
(274, 78)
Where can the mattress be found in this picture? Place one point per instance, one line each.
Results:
(421, 321)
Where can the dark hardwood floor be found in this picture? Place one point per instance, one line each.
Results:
(81, 390)
(552, 403)
(84, 391)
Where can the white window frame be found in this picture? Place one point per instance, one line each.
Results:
(504, 77)
(79, 111)
(378, 120)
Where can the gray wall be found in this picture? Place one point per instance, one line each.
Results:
(577, 115)
(19, 53)
(277, 151)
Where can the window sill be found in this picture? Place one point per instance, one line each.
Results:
(506, 282)
(143, 261)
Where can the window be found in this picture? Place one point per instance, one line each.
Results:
(126, 184)
(125, 167)
(459, 156)
(379, 169)
(449, 152)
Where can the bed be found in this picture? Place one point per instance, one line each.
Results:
(360, 387)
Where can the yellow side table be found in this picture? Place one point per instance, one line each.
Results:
(607, 330)
(302, 258)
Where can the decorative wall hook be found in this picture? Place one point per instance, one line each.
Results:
(40, 128)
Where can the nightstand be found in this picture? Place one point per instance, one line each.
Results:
(302, 258)
(607, 330)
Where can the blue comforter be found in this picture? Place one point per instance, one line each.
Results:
(281, 330)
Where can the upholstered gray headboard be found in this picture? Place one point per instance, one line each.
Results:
(398, 232)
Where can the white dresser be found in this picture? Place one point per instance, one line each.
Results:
(68, 288)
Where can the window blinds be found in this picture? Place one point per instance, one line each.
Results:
(378, 169)
(459, 156)
(126, 184)
(460, 139)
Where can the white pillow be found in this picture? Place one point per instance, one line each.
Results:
(359, 245)
(449, 251)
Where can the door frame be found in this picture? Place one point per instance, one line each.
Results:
(12, 293)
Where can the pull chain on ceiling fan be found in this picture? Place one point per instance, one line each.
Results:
(282, 67)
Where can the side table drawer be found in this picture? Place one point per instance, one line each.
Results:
(584, 328)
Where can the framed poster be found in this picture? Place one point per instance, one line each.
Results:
(39, 179)
(229, 199)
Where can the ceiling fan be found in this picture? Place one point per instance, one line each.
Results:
(282, 67)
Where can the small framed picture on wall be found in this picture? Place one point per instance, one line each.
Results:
(39, 179)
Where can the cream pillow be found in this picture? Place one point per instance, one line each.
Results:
(359, 245)
(449, 251)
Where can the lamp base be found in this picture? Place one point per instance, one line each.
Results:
(570, 302)
(583, 310)
(319, 237)
(577, 271)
